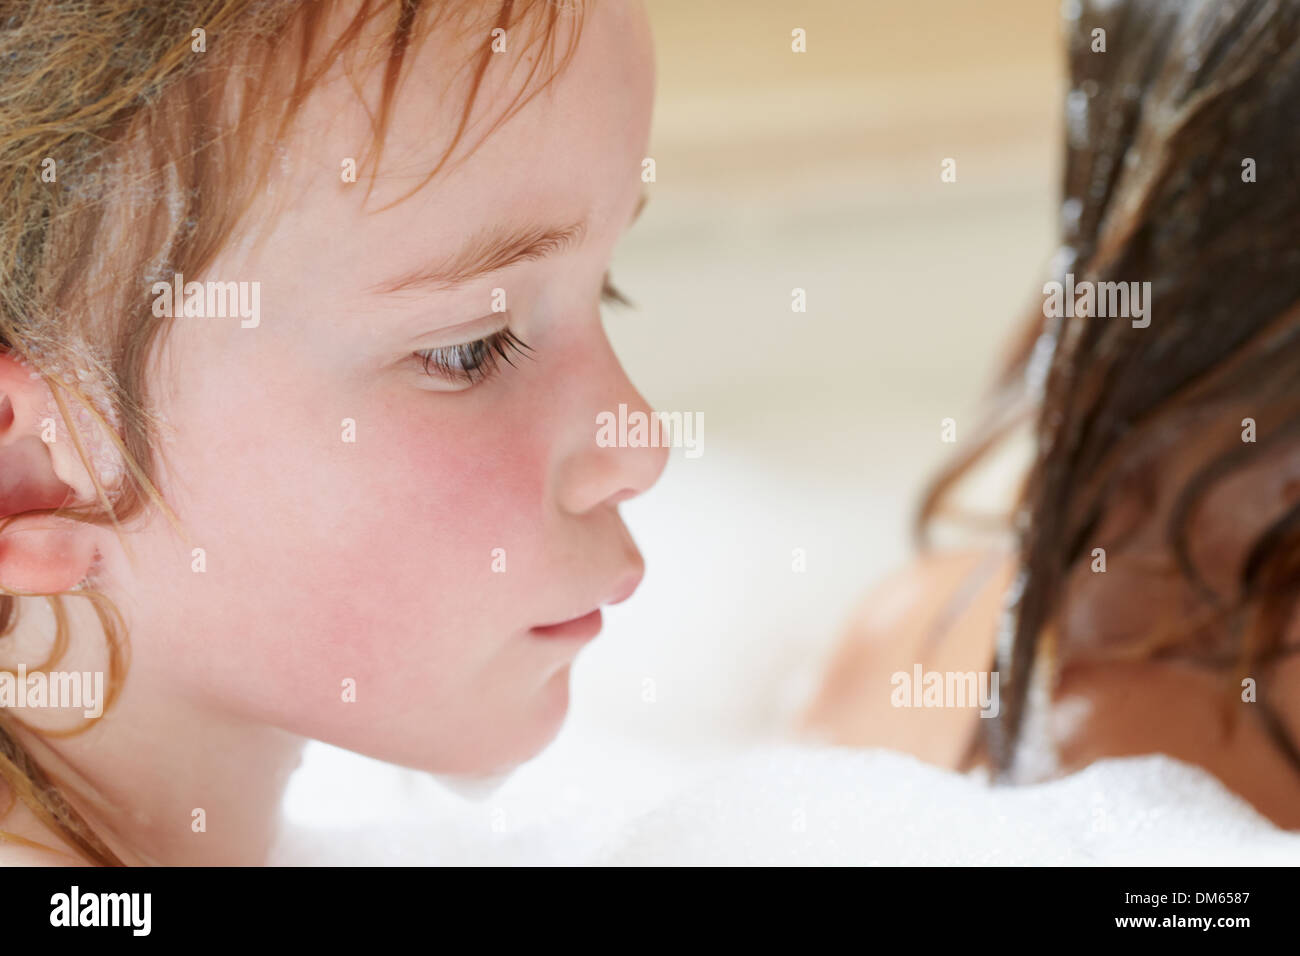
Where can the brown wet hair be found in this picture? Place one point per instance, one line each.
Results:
(1158, 129)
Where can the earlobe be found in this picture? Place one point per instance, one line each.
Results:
(39, 553)
(44, 559)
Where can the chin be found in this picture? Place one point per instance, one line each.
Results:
(515, 738)
(536, 729)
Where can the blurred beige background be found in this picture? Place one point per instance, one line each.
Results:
(818, 170)
(778, 170)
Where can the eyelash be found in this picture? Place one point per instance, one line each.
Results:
(478, 361)
(473, 361)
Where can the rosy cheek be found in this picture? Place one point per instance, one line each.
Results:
(472, 481)
(441, 489)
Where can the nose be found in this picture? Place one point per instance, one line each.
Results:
(600, 472)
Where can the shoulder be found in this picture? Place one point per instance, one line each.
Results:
(940, 613)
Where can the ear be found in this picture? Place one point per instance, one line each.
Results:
(38, 553)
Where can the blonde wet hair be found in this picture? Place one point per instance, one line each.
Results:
(148, 139)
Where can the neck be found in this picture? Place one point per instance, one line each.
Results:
(163, 781)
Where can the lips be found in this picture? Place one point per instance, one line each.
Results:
(579, 628)
(588, 625)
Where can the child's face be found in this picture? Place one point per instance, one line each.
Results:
(330, 560)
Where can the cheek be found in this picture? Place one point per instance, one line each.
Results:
(431, 497)
(468, 482)
(329, 559)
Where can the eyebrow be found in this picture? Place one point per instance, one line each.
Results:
(491, 251)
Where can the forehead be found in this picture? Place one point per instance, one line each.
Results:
(572, 150)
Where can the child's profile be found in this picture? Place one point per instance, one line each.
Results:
(374, 516)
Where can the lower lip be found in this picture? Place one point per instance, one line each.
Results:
(579, 629)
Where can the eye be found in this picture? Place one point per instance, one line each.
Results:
(473, 361)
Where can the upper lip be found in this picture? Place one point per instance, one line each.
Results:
(617, 594)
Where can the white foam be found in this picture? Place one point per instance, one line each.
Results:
(791, 805)
(843, 807)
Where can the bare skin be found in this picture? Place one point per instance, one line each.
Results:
(1102, 708)
(369, 561)
(911, 617)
